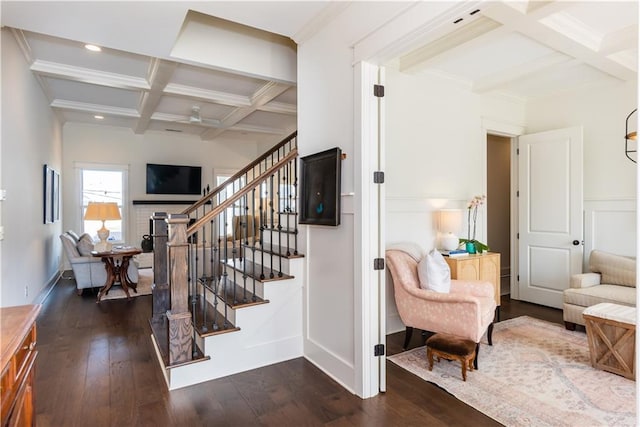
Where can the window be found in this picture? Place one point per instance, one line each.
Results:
(221, 177)
(104, 183)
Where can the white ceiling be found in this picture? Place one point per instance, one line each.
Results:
(524, 50)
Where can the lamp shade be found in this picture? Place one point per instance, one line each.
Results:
(98, 211)
(450, 221)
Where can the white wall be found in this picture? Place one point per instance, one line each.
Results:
(111, 145)
(602, 111)
(434, 129)
(334, 338)
(31, 138)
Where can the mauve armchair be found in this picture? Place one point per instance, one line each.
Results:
(467, 311)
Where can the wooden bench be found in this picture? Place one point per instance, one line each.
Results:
(611, 331)
(451, 348)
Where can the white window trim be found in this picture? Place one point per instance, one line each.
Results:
(77, 221)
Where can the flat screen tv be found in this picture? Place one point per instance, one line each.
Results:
(173, 179)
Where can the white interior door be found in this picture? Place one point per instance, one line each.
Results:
(550, 214)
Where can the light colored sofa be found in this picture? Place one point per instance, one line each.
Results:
(88, 271)
(611, 278)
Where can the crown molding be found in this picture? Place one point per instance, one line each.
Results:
(319, 21)
(65, 104)
(86, 75)
(279, 107)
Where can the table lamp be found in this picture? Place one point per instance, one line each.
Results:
(97, 211)
(449, 225)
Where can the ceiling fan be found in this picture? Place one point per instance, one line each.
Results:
(196, 119)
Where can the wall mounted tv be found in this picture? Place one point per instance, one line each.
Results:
(173, 179)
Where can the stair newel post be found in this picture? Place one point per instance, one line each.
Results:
(160, 286)
(243, 245)
(253, 246)
(202, 240)
(289, 206)
(296, 198)
(272, 226)
(215, 269)
(180, 327)
(262, 222)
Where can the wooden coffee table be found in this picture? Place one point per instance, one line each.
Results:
(116, 262)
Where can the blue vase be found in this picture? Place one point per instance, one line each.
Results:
(470, 247)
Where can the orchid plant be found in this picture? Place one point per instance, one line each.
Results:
(472, 215)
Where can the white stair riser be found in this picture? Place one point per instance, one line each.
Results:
(269, 333)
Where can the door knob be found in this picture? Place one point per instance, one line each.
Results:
(576, 242)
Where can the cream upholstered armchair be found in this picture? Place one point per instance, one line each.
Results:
(88, 271)
(467, 311)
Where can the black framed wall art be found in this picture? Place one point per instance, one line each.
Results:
(320, 183)
(47, 181)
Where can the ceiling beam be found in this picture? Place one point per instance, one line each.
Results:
(86, 75)
(262, 96)
(160, 73)
(280, 108)
(475, 33)
(214, 96)
(94, 108)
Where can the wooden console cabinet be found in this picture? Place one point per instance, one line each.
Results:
(484, 266)
(18, 346)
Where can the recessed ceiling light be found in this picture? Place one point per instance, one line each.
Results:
(93, 47)
(98, 117)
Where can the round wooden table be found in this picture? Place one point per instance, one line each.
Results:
(116, 262)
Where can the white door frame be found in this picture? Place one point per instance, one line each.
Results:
(492, 127)
(369, 308)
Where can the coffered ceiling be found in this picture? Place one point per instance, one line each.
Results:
(119, 88)
(521, 49)
(533, 49)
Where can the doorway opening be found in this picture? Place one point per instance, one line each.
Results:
(499, 173)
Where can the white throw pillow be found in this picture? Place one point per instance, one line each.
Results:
(85, 245)
(434, 273)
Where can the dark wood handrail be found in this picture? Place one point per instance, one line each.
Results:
(236, 196)
(209, 196)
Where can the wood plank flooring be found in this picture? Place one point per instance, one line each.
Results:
(96, 367)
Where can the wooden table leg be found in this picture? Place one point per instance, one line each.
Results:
(125, 274)
(111, 277)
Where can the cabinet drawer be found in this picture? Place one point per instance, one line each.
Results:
(22, 354)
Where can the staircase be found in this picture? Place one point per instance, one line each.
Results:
(227, 293)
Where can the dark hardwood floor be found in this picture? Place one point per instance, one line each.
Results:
(96, 367)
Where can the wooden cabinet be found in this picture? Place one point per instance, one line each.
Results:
(478, 267)
(18, 347)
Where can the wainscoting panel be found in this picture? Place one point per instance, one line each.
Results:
(610, 225)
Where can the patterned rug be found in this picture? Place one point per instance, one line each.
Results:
(536, 374)
(145, 278)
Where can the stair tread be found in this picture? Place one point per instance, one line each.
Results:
(277, 250)
(247, 267)
(210, 311)
(242, 298)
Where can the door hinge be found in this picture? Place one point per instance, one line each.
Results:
(517, 193)
(378, 350)
(517, 151)
(517, 235)
(378, 90)
(378, 177)
(518, 277)
(378, 264)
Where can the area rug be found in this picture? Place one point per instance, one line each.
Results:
(536, 374)
(145, 278)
